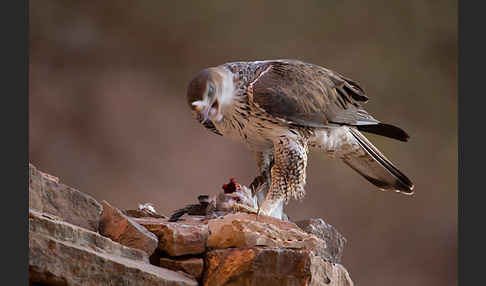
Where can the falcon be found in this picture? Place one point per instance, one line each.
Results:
(280, 109)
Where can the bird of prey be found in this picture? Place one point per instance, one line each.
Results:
(280, 109)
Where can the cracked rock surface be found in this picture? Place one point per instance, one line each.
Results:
(74, 240)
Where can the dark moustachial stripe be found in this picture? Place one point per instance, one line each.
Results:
(210, 126)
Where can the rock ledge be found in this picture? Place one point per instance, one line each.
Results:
(74, 240)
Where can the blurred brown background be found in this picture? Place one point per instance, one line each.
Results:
(108, 112)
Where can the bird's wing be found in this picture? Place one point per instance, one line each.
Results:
(308, 95)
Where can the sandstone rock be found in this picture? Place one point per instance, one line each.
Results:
(122, 229)
(264, 266)
(47, 195)
(191, 266)
(248, 230)
(268, 251)
(256, 266)
(177, 238)
(328, 273)
(53, 227)
(63, 254)
(332, 249)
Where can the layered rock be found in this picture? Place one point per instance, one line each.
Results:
(65, 247)
(192, 266)
(271, 266)
(248, 230)
(177, 238)
(122, 229)
(64, 254)
(49, 196)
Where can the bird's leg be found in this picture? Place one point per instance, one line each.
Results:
(237, 207)
(257, 182)
(261, 183)
(288, 175)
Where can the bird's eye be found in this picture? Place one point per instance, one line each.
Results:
(210, 90)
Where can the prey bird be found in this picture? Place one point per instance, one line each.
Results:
(280, 109)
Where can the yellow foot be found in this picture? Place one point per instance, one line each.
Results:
(244, 208)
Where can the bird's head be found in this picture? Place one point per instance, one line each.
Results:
(209, 93)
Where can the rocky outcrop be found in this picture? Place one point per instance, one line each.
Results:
(71, 244)
(177, 238)
(192, 266)
(332, 241)
(122, 229)
(248, 230)
(65, 247)
(271, 266)
(48, 195)
(64, 254)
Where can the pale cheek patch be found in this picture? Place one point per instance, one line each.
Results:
(227, 89)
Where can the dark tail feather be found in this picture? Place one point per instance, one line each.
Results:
(386, 130)
(177, 214)
(376, 168)
(192, 209)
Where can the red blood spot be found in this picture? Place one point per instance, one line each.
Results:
(231, 187)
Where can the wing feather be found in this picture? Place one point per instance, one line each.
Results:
(309, 95)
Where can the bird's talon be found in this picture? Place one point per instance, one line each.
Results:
(243, 208)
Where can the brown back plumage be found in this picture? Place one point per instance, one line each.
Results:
(310, 95)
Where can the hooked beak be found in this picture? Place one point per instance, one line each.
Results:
(203, 109)
(206, 110)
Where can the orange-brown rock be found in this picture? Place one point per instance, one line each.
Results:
(124, 230)
(237, 249)
(265, 266)
(47, 195)
(64, 254)
(177, 238)
(191, 266)
(248, 230)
